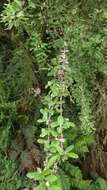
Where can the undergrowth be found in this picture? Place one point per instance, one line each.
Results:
(52, 62)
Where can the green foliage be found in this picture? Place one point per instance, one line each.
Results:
(9, 177)
(14, 13)
(56, 58)
(99, 184)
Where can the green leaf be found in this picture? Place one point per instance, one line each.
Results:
(19, 3)
(44, 113)
(54, 133)
(52, 160)
(41, 141)
(60, 120)
(46, 172)
(51, 178)
(40, 120)
(54, 124)
(54, 187)
(72, 155)
(105, 14)
(44, 132)
(20, 14)
(69, 148)
(40, 187)
(31, 4)
(36, 176)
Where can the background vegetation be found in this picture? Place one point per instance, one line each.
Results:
(53, 95)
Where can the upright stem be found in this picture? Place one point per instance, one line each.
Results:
(61, 73)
